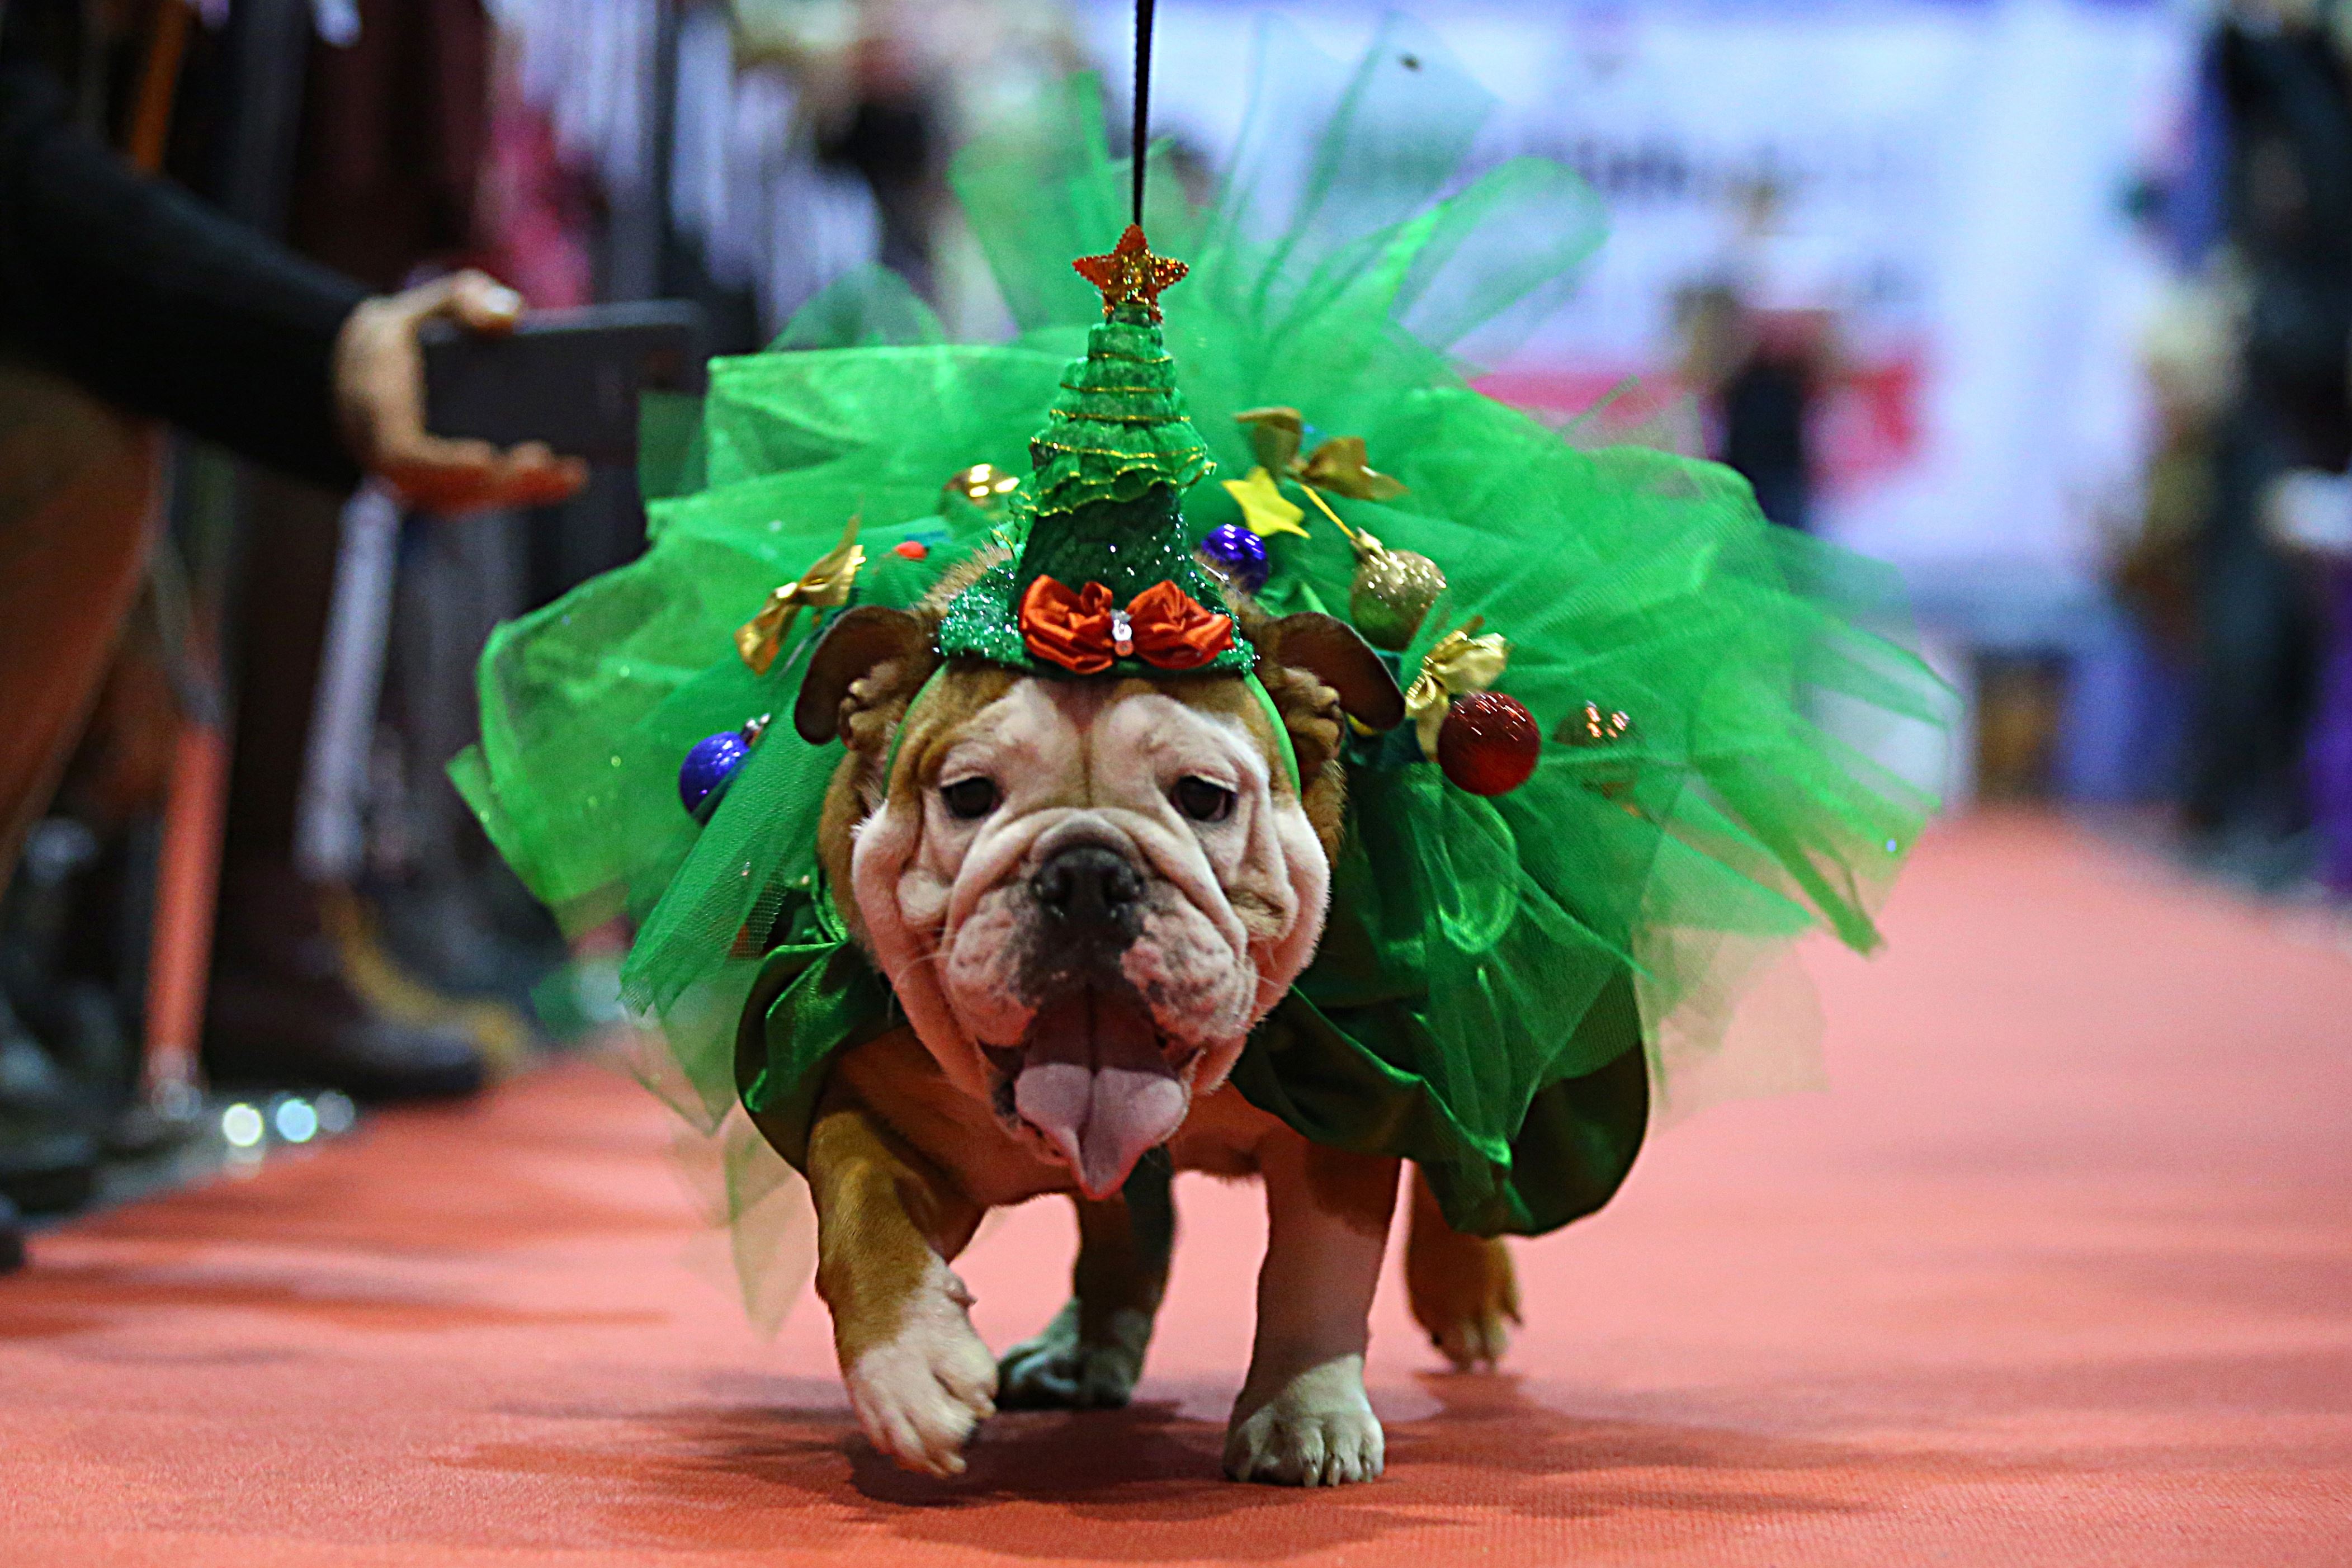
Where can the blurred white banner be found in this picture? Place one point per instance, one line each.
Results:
(1954, 178)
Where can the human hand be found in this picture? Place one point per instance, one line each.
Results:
(380, 400)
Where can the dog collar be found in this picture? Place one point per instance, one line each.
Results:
(1281, 740)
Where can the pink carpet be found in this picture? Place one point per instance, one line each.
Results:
(2059, 1274)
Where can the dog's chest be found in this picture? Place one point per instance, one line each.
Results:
(897, 1079)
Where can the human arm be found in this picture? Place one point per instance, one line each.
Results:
(145, 295)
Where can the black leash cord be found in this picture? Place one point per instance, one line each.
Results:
(1142, 95)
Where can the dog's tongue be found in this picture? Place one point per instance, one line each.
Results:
(1094, 1082)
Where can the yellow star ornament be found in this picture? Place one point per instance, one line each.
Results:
(1263, 509)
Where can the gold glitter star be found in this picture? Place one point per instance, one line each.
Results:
(1130, 274)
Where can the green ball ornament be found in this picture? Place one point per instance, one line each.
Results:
(1391, 593)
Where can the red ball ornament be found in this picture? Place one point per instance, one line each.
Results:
(1488, 743)
(911, 549)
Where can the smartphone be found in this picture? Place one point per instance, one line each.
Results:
(570, 378)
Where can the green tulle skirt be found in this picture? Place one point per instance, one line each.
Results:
(1500, 975)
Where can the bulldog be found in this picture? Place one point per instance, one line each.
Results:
(1085, 893)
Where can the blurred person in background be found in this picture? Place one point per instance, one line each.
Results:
(119, 291)
(2188, 356)
(1759, 348)
(2276, 150)
(2309, 514)
(890, 135)
(386, 162)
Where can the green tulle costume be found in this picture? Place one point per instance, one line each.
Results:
(1494, 967)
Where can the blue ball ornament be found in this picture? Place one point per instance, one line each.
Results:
(1240, 555)
(708, 770)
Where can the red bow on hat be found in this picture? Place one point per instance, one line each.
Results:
(1163, 626)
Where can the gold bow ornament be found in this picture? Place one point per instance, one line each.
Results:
(823, 587)
(1461, 663)
(1340, 465)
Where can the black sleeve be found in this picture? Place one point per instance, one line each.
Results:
(146, 296)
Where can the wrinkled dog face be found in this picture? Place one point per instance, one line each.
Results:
(1085, 893)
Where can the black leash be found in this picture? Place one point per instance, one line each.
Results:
(1142, 95)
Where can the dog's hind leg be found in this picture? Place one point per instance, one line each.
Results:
(887, 1221)
(1462, 1287)
(1090, 1355)
(1302, 1418)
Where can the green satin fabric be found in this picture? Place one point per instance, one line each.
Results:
(1335, 1081)
(813, 1000)
(1370, 1078)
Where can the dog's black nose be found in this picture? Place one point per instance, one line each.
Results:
(1090, 888)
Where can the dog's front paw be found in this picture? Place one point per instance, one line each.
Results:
(1317, 1429)
(919, 1392)
(1063, 1369)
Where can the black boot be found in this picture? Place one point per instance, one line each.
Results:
(282, 1013)
(48, 1156)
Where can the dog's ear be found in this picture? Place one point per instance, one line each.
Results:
(867, 658)
(1320, 673)
(1331, 650)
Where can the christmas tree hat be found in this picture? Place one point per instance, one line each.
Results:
(1105, 580)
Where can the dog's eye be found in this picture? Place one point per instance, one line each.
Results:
(1203, 801)
(968, 800)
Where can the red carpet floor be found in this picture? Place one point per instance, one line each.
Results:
(2061, 1273)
